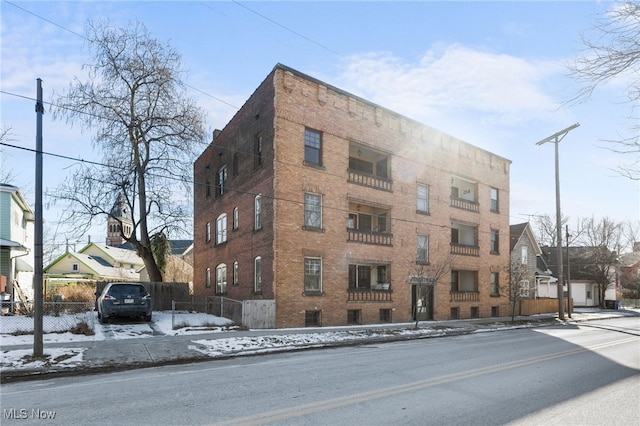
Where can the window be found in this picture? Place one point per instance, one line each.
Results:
(455, 313)
(494, 200)
(524, 257)
(235, 218)
(221, 279)
(422, 202)
(312, 318)
(495, 284)
(495, 311)
(236, 278)
(455, 235)
(354, 317)
(385, 315)
(207, 278)
(222, 180)
(208, 189)
(257, 274)
(423, 249)
(207, 232)
(495, 241)
(359, 277)
(312, 275)
(221, 229)
(312, 147)
(475, 312)
(258, 212)
(75, 267)
(312, 211)
(257, 151)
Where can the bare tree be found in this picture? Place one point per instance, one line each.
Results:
(598, 259)
(546, 230)
(6, 174)
(146, 129)
(425, 276)
(614, 51)
(521, 284)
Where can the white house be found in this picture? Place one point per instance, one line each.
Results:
(16, 244)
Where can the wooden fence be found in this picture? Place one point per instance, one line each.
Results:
(541, 306)
(162, 294)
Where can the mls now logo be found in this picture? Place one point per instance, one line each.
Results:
(23, 413)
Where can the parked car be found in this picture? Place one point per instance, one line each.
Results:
(124, 300)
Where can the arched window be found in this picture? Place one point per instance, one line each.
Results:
(257, 274)
(258, 212)
(221, 279)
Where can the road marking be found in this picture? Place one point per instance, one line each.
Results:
(328, 404)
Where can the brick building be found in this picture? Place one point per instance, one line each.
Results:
(344, 212)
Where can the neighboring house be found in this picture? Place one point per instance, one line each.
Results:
(16, 244)
(179, 266)
(591, 273)
(94, 262)
(325, 204)
(528, 265)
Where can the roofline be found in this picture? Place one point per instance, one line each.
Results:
(365, 101)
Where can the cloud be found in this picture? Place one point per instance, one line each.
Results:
(449, 78)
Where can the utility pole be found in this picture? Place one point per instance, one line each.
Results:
(568, 275)
(37, 276)
(556, 138)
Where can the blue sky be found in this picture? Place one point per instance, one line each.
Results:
(490, 73)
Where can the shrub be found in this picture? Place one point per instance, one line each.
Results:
(79, 292)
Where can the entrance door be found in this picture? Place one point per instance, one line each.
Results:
(422, 302)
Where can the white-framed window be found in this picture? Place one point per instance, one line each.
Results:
(494, 200)
(75, 267)
(524, 255)
(257, 274)
(207, 277)
(236, 271)
(422, 198)
(423, 249)
(221, 279)
(312, 274)
(312, 147)
(207, 232)
(221, 228)
(258, 212)
(222, 180)
(236, 218)
(312, 210)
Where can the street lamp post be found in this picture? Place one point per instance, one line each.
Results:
(556, 138)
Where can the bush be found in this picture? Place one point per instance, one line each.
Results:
(79, 292)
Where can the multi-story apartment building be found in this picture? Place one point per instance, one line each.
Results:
(344, 212)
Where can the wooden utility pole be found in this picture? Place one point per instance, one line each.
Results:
(555, 139)
(37, 268)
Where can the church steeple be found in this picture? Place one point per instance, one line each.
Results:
(119, 218)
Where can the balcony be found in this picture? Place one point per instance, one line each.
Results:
(370, 168)
(461, 203)
(369, 180)
(367, 295)
(465, 250)
(369, 237)
(464, 296)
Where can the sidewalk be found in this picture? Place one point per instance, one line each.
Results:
(85, 357)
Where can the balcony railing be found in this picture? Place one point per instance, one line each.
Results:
(465, 250)
(461, 203)
(369, 237)
(366, 295)
(465, 296)
(372, 181)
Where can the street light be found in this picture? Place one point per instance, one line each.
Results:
(556, 138)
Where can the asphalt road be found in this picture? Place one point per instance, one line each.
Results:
(584, 374)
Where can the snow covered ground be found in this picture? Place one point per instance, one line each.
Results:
(193, 324)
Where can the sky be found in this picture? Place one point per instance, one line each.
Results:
(490, 73)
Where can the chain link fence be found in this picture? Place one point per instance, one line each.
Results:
(57, 317)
